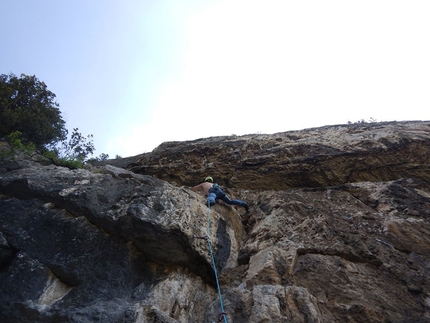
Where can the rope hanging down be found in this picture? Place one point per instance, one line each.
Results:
(222, 314)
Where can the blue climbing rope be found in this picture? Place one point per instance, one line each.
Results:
(223, 314)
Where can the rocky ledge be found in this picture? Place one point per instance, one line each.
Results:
(338, 231)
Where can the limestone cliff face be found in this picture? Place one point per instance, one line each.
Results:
(338, 231)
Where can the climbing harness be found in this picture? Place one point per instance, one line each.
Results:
(208, 239)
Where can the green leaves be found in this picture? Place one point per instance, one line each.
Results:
(73, 152)
(27, 106)
(78, 147)
(16, 146)
(30, 119)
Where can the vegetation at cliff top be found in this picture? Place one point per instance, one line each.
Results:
(30, 119)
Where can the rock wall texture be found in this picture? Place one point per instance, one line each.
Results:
(338, 231)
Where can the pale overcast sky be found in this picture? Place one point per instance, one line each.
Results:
(136, 73)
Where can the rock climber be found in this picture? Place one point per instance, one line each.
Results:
(214, 192)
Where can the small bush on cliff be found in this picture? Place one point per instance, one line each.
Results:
(100, 158)
(362, 121)
(16, 146)
(72, 153)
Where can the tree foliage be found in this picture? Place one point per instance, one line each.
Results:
(27, 106)
(30, 119)
(78, 146)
